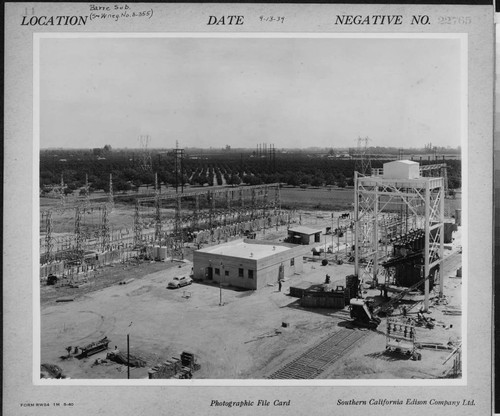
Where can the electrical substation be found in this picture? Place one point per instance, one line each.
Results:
(379, 278)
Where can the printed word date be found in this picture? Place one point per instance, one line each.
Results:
(225, 20)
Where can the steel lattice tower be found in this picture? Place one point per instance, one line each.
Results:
(62, 196)
(111, 200)
(254, 201)
(196, 211)
(178, 232)
(363, 163)
(422, 197)
(106, 238)
(179, 167)
(79, 235)
(157, 211)
(137, 225)
(145, 161)
(241, 204)
(49, 243)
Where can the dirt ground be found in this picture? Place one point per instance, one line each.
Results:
(242, 338)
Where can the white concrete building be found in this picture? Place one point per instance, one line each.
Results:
(247, 264)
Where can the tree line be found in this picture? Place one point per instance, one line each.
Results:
(131, 170)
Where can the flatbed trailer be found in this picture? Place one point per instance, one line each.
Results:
(94, 347)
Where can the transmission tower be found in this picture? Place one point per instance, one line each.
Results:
(179, 167)
(49, 243)
(86, 190)
(363, 163)
(106, 239)
(79, 234)
(178, 231)
(157, 211)
(145, 159)
(61, 190)
(137, 225)
(111, 200)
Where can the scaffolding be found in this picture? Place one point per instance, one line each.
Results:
(420, 202)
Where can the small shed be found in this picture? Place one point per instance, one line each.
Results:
(401, 169)
(304, 235)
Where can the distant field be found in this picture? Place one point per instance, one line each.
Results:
(317, 198)
(333, 199)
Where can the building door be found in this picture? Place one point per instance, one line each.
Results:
(209, 273)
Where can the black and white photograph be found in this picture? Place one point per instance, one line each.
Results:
(251, 207)
(248, 208)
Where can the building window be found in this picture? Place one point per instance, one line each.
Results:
(226, 273)
(317, 238)
(240, 272)
(292, 262)
(250, 274)
(217, 272)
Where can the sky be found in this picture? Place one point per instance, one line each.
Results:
(213, 92)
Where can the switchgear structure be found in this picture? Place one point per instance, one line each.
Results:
(399, 190)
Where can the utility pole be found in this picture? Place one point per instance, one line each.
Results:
(331, 230)
(338, 235)
(325, 245)
(128, 356)
(128, 351)
(220, 283)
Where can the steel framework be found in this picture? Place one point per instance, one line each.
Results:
(422, 200)
(363, 162)
(82, 206)
(145, 156)
(218, 210)
(179, 167)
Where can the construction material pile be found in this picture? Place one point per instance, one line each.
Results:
(51, 371)
(121, 358)
(175, 368)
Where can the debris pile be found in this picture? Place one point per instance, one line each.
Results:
(121, 358)
(51, 371)
(182, 368)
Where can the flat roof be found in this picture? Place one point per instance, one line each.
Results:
(245, 250)
(434, 182)
(402, 162)
(304, 230)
